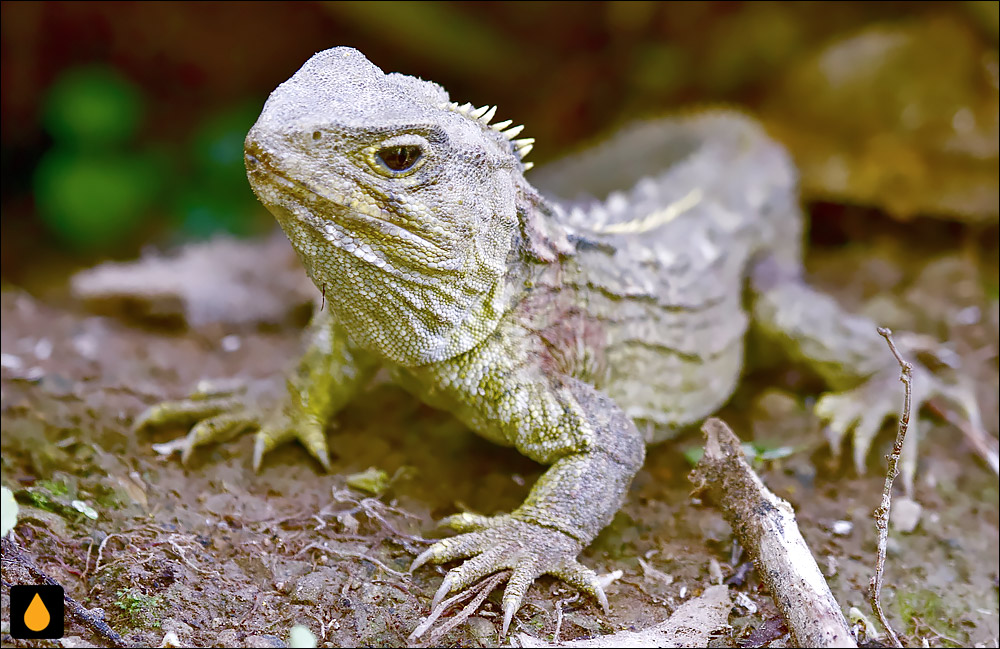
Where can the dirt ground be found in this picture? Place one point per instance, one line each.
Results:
(221, 556)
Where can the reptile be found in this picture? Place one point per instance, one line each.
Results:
(576, 330)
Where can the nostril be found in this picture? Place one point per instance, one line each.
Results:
(317, 135)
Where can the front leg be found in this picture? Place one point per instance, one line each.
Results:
(325, 378)
(594, 450)
(846, 350)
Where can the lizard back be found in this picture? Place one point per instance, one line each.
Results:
(648, 307)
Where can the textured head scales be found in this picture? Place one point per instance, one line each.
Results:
(400, 203)
(341, 85)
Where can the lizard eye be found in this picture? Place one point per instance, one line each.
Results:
(399, 158)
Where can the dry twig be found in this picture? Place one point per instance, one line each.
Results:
(73, 607)
(765, 525)
(882, 512)
(691, 625)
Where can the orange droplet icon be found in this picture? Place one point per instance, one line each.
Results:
(37, 616)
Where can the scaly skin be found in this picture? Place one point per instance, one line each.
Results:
(545, 325)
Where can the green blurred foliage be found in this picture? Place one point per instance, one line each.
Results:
(92, 107)
(217, 145)
(99, 185)
(94, 201)
(89, 189)
(201, 211)
(214, 195)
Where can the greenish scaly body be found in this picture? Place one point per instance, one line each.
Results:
(549, 325)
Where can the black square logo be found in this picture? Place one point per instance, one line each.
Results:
(36, 612)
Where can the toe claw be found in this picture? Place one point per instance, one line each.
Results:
(216, 412)
(861, 411)
(517, 588)
(602, 599)
(583, 578)
(281, 428)
(312, 434)
(218, 428)
(509, 608)
(258, 452)
(186, 451)
(424, 557)
(864, 434)
(442, 591)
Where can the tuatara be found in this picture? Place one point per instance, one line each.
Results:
(547, 325)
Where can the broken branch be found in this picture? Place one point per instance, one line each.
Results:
(765, 525)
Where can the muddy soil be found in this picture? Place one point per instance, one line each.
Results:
(221, 556)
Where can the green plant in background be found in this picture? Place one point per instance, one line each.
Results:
(97, 187)
(214, 195)
(91, 188)
(92, 107)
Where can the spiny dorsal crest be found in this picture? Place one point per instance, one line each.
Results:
(483, 115)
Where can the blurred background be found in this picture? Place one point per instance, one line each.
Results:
(123, 122)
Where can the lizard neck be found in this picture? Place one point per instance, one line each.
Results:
(409, 318)
(425, 319)
(411, 313)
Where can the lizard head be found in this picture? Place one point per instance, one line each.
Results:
(400, 203)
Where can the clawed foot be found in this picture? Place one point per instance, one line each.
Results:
(217, 413)
(496, 543)
(863, 409)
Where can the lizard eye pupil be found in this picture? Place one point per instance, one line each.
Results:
(400, 158)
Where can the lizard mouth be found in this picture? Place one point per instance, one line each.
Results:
(261, 168)
(258, 166)
(259, 163)
(251, 160)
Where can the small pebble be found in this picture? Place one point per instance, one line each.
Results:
(231, 343)
(482, 631)
(300, 637)
(842, 528)
(715, 571)
(970, 315)
(10, 362)
(745, 603)
(43, 349)
(264, 641)
(86, 346)
(905, 515)
(311, 588)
